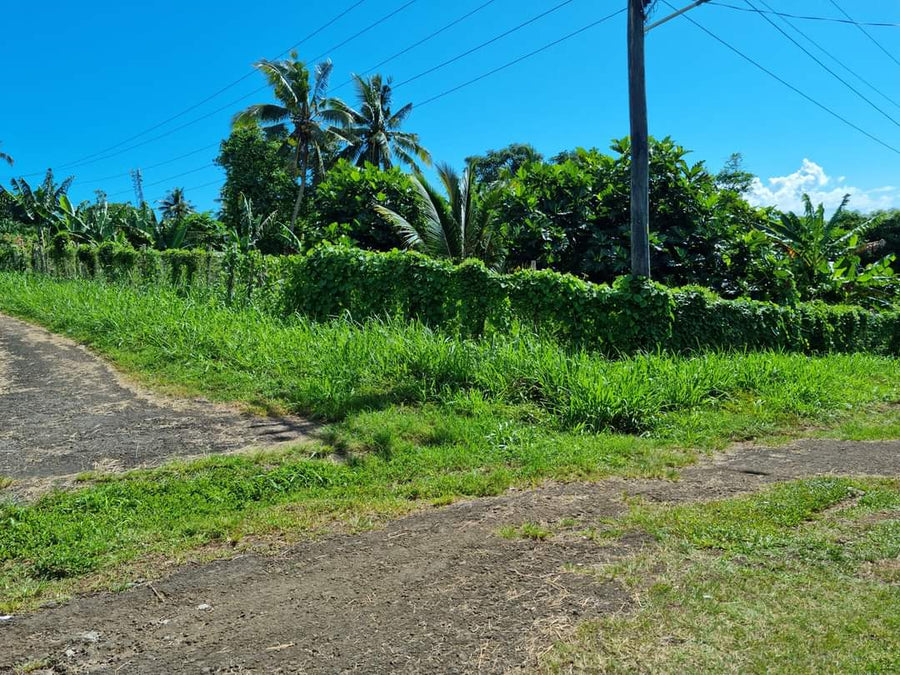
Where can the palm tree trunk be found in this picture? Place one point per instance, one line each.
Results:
(302, 190)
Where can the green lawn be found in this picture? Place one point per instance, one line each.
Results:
(414, 417)
(803, 578)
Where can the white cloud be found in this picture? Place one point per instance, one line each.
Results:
(786, 192)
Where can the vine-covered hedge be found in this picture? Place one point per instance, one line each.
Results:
(630, 315)
(237, 278)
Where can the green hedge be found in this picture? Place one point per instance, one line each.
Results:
(631, 315)
(254, 277)
(628, 316)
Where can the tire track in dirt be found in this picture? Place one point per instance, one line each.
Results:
(438, 591)
(64, 411)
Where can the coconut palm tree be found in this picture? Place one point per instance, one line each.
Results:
(5, 158)
(303, 115)
(374, 134)
(175, 206)
(461, 225)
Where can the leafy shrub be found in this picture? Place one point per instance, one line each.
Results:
(572, 215)
(255, 169)
(342, 206)
(87, 258)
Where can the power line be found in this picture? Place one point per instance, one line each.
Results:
(519, 59)
(420, 42)
(832, 57)
(198, 187)
(825, 67)
(167, 179)
(444, 93)
(364, 30)
(217, 93)
(227, 105)
(384, 18)
(484, 44)
(848, 21)
(232, 103)
(456, 88)
(151, 166)
(866, 33)
(788, 84)
(430, 70)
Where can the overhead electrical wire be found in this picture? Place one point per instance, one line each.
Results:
(843, 65)
(217, 93)
(151, 166)
(484, 75)
(195, 187)
(787, 84)
(825, 67)
(224, 107)
(384, 18)
(363, 31)
(866, 33)
(167, 179)
(519, 59)
(484, 44)
(232, 103)
(425, 39)
(847, 21)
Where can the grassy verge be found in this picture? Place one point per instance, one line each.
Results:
(416, 417)
(801, 578)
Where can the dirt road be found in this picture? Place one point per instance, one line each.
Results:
(63, 411)
(436, 592)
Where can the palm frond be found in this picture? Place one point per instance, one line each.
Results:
(322, 75)
(284, 85)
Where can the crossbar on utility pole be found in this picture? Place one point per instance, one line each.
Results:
(640, 149)
(674, 14)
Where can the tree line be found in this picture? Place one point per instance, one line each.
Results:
(309, 168)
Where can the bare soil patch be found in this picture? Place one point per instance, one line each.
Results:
(438, 591)
(64, 411)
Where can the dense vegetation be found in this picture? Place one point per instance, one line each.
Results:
(629, 316)
(477, 359)
(310, 168)
(461, 334)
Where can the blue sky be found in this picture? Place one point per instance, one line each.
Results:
(81, 77)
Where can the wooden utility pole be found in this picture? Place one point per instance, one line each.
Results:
(640, 145)
(640, 149)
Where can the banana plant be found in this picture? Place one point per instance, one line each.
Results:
(5, 158)
(824, 254)
(145, 228)
(243, 238)
(38, 206)
(91, 223)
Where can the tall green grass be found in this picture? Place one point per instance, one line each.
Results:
(332, 369)
(415, 415)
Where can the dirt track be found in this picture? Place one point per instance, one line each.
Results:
(437, 591)
(63, 411)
